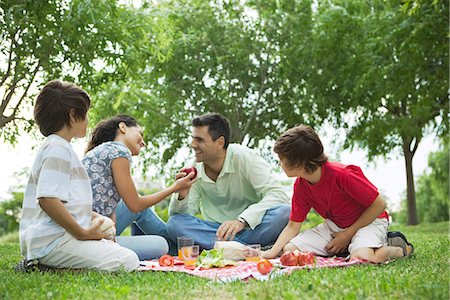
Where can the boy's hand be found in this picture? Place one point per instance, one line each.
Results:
(339, 243)
(268, 254)
(94, 232)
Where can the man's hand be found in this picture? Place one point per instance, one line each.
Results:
(340, 242)
(229, 229)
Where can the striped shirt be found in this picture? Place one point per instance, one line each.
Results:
(56, 173)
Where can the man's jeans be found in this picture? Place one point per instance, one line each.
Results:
(204, 232)
(146, 220)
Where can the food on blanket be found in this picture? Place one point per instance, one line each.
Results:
(166, 260)
(305, 258)
(231, 250)
(289, 259)
(185, 252)
(297, 258)
(213, 258)
(264, 266)
(188, 170)
(190, 254)
(252, 252)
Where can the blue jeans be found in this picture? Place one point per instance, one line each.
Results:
(146, 220)
(145, 246)
(204, 232)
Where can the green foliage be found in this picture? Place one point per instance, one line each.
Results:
(88, 42)
(10, 211)
(223, 60)
(423, 276)
(386, 80)
(377, 69)
(433, 188)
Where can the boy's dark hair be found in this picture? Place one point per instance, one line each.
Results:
(54, 104)
(217, 124)
(301, 147)
(106, 130)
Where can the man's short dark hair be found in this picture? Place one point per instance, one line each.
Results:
(54, 104)
(301, 147)
(217, 124)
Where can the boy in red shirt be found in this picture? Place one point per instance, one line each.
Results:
(354, 212)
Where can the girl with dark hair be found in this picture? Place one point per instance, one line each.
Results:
(107, 161)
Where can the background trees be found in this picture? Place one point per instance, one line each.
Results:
(386, 78)
(87, 42)
(378, 70)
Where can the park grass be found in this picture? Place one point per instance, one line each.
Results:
(423, 276)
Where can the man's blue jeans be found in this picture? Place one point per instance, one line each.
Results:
(147, 221)
(204, 232)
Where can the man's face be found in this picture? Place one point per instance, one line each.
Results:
(206, 150)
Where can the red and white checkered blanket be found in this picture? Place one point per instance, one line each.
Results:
(247, 270)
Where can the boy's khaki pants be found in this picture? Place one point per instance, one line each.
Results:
(103, 255)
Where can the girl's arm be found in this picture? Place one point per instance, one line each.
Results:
(55, 209)
(288, 233)
(127, 190)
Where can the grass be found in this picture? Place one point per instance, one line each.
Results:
(423, 276)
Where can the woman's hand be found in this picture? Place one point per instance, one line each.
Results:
(183, 183)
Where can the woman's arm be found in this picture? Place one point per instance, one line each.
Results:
(127, 190)
(55, 209)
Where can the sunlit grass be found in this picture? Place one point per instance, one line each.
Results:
(424, 276)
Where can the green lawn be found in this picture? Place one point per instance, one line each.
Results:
(424, 276)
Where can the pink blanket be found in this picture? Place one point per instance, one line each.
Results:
(246, 270)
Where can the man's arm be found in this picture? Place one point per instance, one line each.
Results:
(55, 209)
(342, 239)
(259, 173)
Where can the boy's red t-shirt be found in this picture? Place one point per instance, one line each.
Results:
(341, 195)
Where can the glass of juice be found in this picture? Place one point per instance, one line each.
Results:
(190, 254)
(183, 241)
(252, 252)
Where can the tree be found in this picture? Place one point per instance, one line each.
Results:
(226, 57)
(388, 70)
(88, 42)
(433, 188)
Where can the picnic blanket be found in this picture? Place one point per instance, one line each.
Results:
(247, 270)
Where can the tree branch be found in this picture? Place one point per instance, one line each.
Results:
(262, 88)
(16, 108)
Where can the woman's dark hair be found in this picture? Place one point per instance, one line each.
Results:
(301, 147)
(217, 124)
(106, 130)
(56, 102)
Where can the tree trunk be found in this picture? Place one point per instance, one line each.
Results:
(410, 189)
